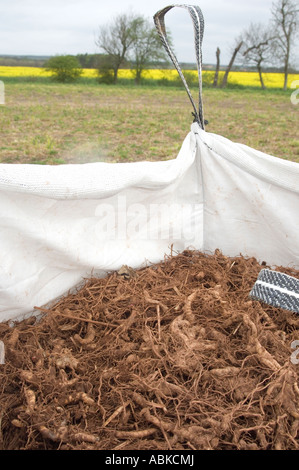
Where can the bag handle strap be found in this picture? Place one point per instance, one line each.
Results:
(198, 25)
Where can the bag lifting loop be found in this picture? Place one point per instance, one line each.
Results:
(198, 26)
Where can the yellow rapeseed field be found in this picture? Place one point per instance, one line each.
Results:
(33, 72)
(22, 72)
(272, 80)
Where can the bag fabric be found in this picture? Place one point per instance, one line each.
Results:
(61, 224)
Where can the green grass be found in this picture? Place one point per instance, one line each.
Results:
(44, 122)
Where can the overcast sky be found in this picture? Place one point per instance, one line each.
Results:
(49, 27)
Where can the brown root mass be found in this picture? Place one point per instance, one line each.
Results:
(174, 357)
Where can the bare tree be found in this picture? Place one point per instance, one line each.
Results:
(116, 39)
(146, 46)
(231, 63)
(285, 19)
(257, 47)
(216, 76)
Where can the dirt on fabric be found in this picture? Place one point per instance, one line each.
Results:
(174, 356)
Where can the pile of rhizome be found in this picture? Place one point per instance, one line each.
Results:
(171, 356)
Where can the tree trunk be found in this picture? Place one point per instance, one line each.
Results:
(215, 84)
(286, 72)
(285, 85)
(115, 73)
(117, 64)
(259, 68)
(224, 81)
(138, 76)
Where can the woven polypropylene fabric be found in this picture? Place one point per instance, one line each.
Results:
(277, 289)
(198, 26)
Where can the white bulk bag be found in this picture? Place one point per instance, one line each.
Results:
(60, 224)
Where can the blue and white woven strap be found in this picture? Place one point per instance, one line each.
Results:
(277, 289)
(198, 25)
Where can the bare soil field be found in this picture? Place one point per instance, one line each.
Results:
(53, 123)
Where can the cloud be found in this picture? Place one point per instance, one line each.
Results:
(47, 27)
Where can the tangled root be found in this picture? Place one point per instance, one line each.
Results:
(175, 357)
